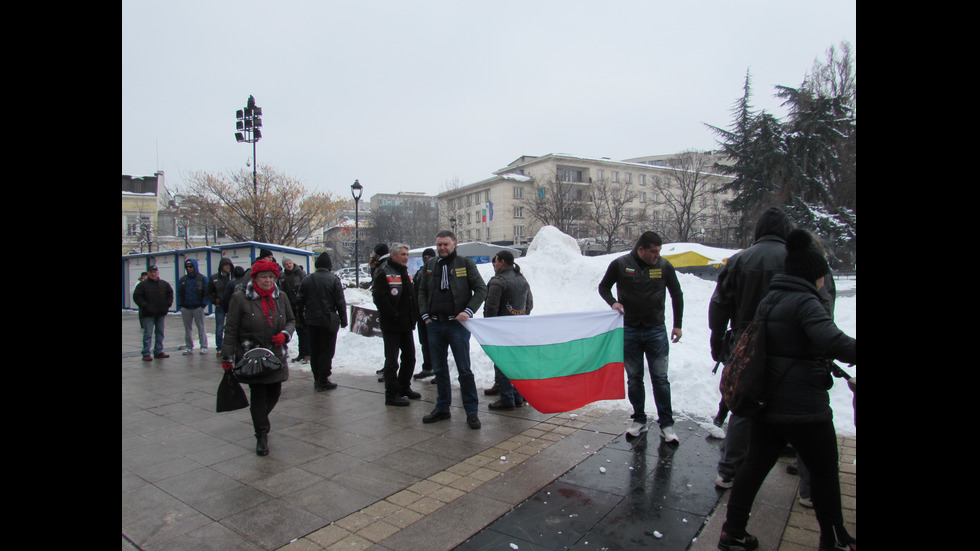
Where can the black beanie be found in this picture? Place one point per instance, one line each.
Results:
(381, 249)
(264, 253)
(802, 259)
(323, 261)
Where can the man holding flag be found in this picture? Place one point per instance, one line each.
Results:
(642, 279)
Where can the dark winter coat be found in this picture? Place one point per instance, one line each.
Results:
(219, 281)
(321, 298)
(642, 290)
(289, 283)
(508, 294)
(801, 337)
(153, 298)
(191, 288)
(246, 326)
(745, 277)
(467, 290)
(394, 295)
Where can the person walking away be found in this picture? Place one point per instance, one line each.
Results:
(450, 292)
(742, 283)
(191, 301)
(426, 370)
(260, 317)
(217, 284)
(800, 337)
(397, 303)
(153, 296)
(289, 282)
(642, 279)
(323, 307)
(508, 294)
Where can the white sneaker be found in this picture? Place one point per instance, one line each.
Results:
(636, 428)
(723, 483)
(204, 351)
(668, 434)
(187, 351)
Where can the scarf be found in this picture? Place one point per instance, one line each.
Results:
(268, 304)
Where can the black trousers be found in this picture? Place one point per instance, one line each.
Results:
(263, 398)
(816, 446)
(398, 378)
(323, 345)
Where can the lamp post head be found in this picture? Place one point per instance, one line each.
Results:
(355, 190)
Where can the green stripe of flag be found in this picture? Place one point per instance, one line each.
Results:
(558, 360)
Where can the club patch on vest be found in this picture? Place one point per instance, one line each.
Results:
(656, 273)
(461, 272)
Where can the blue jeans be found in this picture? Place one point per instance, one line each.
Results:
(652, 343)
(153, 328)
(219, 327)
(445, 335)
(508, 394)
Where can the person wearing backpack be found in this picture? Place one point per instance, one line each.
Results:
(800, 337)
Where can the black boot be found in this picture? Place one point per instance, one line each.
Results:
(261, 444)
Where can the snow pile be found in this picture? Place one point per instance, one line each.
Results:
(562, 280)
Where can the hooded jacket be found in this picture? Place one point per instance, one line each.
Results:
(191, 288)
(219, 281)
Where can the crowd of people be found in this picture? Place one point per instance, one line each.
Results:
(785, 270)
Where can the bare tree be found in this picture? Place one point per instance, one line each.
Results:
(611, 211)
(560, 203)
(412, 222)
(278, 209)
(452, 208)
(686, 191)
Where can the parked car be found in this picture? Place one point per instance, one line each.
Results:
(346, 276)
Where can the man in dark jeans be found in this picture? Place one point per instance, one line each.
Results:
(450, 292)
(154, 297)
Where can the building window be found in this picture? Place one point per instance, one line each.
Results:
(518, 212)
(518, 193)
(643, 179)
(629, 177)
(600, 174)
(518, 231)
(615, 176)
(569, 174)
(643, 197)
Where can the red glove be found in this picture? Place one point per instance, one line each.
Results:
(278, 339)
(227, 365)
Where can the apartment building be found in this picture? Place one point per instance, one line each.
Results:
(498, 209)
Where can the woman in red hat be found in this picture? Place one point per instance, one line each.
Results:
(260, 317)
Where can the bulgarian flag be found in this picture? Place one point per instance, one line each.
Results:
(558, 362)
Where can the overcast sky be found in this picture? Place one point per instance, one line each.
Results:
(406, 96)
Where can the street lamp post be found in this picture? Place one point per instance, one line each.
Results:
(248, 124)
(355, 190)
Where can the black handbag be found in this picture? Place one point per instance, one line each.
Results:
(231, 395)
(256, 364)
